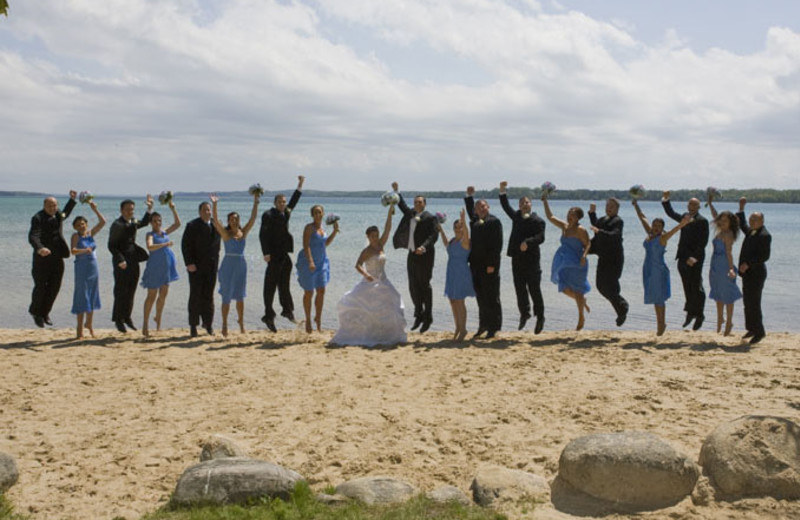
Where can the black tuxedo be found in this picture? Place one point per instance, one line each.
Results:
(277, 242)
(607, 245)
(200, 247)
(487, 247)
(755, 252)
(692, 244)
(46, 232)
(525, 265)
(123, 248)
(419, 267)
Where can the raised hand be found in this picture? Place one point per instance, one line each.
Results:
(593, 208)
(213, 198)
(742, 203)
(395, 187)
(665, 195)
(503, 185)
(73, 194)
(470, 191)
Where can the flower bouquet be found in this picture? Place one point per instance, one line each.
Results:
(332, 218)
(256, 189)
(85, 197)
(389, 198)
(441, 218)
(165, 197)
(637, 191)
(712, 193)
(548, 188)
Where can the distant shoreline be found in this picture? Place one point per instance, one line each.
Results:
(761, 195)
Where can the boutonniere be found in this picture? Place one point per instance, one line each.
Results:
(480, 221)
(753, 232)
(417, 218)
(287, 210)
(526, 215)
(134, 221)
(63, 215)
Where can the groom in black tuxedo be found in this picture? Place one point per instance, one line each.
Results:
(417, 232)
(126, 256)
(200, 247)
(49, 251)
(484, 263)
(607, 245)
(753, 256)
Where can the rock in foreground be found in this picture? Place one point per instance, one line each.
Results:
(377, 490)
(497, 484)
(8, 472)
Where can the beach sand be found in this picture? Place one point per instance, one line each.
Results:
(104, 427)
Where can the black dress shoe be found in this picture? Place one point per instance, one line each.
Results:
(47, 321)
(289, 315)
(523, 319)
(621, 318)
(417, 323)
(39, 321)
(748, 334)
(757, 338)
(491, 334)
(478, 333)
(688, 320)
(120, 326)
(698, 322)
(270, 323)
(129, 323)
(193, 331)
(539, 325)
(209, 329)
(426, 324)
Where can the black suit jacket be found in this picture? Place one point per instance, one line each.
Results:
(425, 232)
(486, 238)
(529, 230)
(46, 231)
(756, 246)
(274, 234)
(607, 241)
(122, 240)
(694, 237)
(200, 246)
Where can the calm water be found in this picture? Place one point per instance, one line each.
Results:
(356, 215)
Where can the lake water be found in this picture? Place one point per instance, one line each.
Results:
(779, 301)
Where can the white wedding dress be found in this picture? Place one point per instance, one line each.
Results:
(372, 312)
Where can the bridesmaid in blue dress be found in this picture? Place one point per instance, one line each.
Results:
(161, 268)
(86, 298)
(458, 280)
(570, 267)
(233, 269)
(313, 268)
(655, 273)
(722, 276)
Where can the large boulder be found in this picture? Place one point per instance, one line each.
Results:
(8, 472)
(754, 456)
(446, 494)
(635, 470)
(220, 447)
(377, 490)
(497, 484)
(234, 480)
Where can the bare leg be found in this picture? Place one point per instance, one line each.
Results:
(456, 318)
(729, 323)
(226, 307)
(89, 316)
(318, 302)
(462, 319)
(661, 319)
(148, 305)
(162, 298)
(581, 302)
(240, 312)
(307, 308)
(719, 317)
(79, 331)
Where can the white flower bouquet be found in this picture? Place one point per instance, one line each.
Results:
(637, 191)
(85, 197)
(389, 198)
(165, 197)
(256, 189)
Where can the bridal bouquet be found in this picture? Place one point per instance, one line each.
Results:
(85, 197)
(441, 217)
(637, 191)
(165, 197)
(331, 218)
(389, 198)
(256, 189)
(713, 193)
(548, 188)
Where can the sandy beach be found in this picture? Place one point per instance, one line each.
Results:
(104, 427)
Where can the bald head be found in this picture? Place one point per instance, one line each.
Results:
(693, 206)
(756, 220)
(50, 206)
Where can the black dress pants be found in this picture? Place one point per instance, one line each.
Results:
(420, 272)
(47, 273)
(487, 292)
(692, 278)
(752, 287)
(201, 297)
(609, 271)
(125, 281)
(528, 285)
(278, 276)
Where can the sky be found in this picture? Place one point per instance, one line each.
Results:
(121, 97)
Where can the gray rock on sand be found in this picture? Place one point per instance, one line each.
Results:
(220, 447)
(497, 484)
(234, 480)
(377, 490)
(754, 456)
(446, 494)
(8, 472)
(635, 470)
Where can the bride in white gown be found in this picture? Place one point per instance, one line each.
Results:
(372, 312)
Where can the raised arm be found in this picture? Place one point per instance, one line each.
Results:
(445, 240)
(387, 228)
(101, 220)
(711, 207)
(469, 202)
(642, 218)
(176, 220)
(744, 225)
(404, 209)
(593, 215)
(465, 243)
(686, 220)
(332, 235)
(253, 215)
(671, 213)
(223, 233)
(549, 214)
(504, 200)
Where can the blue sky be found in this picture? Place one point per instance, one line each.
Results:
(126, 97)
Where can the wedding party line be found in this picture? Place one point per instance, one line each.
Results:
(372, 313)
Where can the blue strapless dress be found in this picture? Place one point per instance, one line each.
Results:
(322, 274)
(566, 271)
(161, 268)
(87, 286)
(655, 273)
(723, 289)
(458, 280)
(233, 272)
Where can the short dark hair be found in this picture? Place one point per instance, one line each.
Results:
(659, 219)
(124, 202)
(422, 197)
(204, 203)
(578, 211)
(154, 215)
(277, 196)
(78, 219)
(372, 229)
